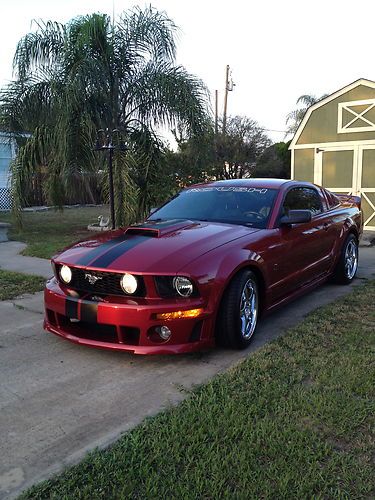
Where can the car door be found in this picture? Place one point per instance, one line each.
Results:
(302, 248)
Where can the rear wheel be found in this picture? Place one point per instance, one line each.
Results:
(239, 311)
(348, 264)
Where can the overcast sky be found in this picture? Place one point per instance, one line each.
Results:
(277, 50)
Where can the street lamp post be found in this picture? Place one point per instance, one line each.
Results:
(104, 142)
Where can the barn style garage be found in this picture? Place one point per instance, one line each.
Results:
(335, 145)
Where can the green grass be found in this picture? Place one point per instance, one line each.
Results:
(294, 420)
(48, 232)
(14, 284)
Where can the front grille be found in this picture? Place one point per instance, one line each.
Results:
(89, 331)
(164, 286)
(97, 331)
(107, 284)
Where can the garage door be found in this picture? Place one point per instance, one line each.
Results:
(334, 168)
(366, 184)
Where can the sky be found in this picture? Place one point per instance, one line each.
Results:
(277, 50)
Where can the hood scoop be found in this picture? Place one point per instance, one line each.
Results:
(156, 229)
(144, 231)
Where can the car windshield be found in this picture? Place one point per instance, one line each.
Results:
(231, 204)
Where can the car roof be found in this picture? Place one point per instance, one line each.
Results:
(253, 182)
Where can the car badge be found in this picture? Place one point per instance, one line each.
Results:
(92, 279)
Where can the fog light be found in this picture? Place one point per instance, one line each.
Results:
(183, 286)
(164, 332)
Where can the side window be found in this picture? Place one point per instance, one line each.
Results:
(302, 199)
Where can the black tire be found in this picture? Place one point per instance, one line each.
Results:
(347, 265)
(231, 319)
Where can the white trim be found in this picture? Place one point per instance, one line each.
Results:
(372, 206)
(369, 142)
(364, 190)
(346, 106)
(318, 166)
(292, 164)
(338, 93)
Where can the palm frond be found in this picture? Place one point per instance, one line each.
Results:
(90, 74)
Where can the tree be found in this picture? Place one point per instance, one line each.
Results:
(295, 117)
(240, 147)
(222, 156)
(92, 74)
(274, 161)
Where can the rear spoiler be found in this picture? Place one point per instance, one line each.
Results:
(348, 198)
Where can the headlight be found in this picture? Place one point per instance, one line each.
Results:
(65, 274)
(129, 283)
(183, 286)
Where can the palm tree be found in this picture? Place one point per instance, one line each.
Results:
(90, 74)
(295, 117)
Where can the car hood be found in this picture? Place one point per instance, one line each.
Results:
(152, 247)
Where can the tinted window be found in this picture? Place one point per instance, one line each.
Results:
(303, 199)
(232, 204)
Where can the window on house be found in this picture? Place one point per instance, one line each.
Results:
(5, 158)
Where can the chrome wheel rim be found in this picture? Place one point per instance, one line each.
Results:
(351, 259)
(248, 308)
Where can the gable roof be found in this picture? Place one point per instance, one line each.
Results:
(331, 97)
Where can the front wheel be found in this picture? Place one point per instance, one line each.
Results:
(239, 311)
(348, 263)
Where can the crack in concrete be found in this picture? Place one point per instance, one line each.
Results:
(27, 309)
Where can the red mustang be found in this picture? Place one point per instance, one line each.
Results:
(203, 267)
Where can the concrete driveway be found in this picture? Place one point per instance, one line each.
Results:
(59, 400)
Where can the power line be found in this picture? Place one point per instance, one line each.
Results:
(272, 130)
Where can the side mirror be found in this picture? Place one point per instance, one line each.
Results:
(295, 217)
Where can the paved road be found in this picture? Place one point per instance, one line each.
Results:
(58, 400)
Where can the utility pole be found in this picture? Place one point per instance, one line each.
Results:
(216, 112)
(226, 89)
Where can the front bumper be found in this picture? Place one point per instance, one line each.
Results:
(126, 324)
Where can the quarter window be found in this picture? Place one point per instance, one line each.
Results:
(333, 201)
(302, 199)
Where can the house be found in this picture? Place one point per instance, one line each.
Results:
(7, 153)
(334, 145)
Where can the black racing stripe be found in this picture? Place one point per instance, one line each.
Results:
(95, 252)
(105, 260)
(89, 311)
(109, 251)
(71, 308)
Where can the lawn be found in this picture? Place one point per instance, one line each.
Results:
(294, 420)
(14, 284)
(50, 231)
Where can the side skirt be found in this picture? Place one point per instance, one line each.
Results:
(298, 293)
